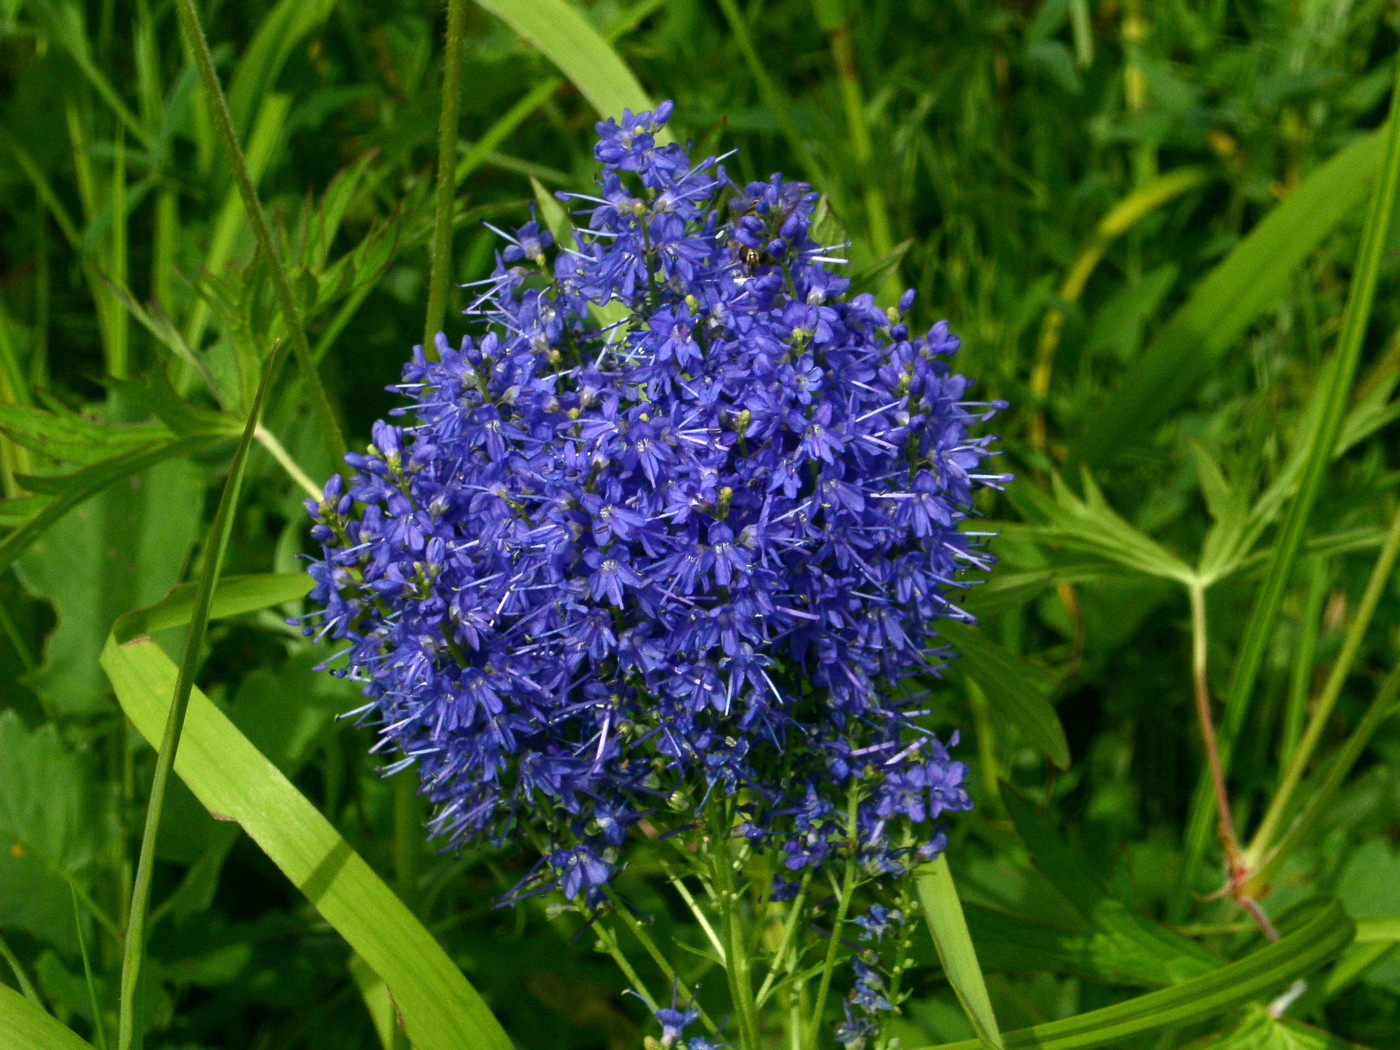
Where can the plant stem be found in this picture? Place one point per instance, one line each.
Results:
(447, 163)
(649, 945)
(789, 928)
(609, 943)
(301, 349)
(129, 1035)
(1283, 799)
(843, 904)
(736, 956)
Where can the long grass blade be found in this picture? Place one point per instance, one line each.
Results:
(129, 1034)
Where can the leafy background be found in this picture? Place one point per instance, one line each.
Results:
(1143, 219)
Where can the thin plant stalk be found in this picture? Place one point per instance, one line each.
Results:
(1320, 439)
(446, 167)
(789, 929)
(99, 1030)
(301, 348)
(843, 904)
(129, 1035)
(736, 957)
(657, 956)
(1283, 801)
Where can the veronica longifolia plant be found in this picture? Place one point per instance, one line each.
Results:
(655, 550)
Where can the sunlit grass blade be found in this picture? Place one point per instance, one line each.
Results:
(439, 1008)
(233, 596)
(568, 40)
(23, 1026)
(129, 1034)
(944, 914)
(1324, 932)
(1323, 428)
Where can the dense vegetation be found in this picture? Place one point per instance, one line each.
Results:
(1154, 227)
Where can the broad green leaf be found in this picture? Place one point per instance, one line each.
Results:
(1323, 930)
(439, 1008)
(1136, 938)
(569, 40)
(944, 914)
(234, 595)
(120, 550)
(1252, 279)
(23, 1026)
(1016, 688)
(72, 489)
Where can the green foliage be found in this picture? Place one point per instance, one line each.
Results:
(1146, 222)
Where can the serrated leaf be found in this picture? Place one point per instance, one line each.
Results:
(943, 911)
(439, 1008)
(1261, 1031)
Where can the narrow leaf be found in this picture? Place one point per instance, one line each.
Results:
(569, 40)
(233, 596)
(944, 914)
(1324, 932)
(439, 1008)
(23, 1026)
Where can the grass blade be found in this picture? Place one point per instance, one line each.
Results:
(1252, 278)
(1325, 931)
(233, 780)
(944, 914)
(23, 1026)
(129, 1034)
(568, 40)
(233, 596)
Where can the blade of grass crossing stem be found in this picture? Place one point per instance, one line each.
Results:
(129, 1034)
(23, 1026)
(447, 162)
(301, 349)
(439, 1009)
(569, 40)
(1320, 438)
(1324, 932)
(944, 914)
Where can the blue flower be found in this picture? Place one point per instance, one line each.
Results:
(671, 525)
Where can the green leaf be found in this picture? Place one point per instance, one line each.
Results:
(279, 33)
(1322, 931)
(69, 490)
(233, 596)
(1261, 1031)
(1135, 938)
(944, 914)
(120, 550)
(1017, 689)
(1252, 279)
(439, 1008)
(568, 39)
(23, 1026)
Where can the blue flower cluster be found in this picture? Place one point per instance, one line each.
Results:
(679, 524)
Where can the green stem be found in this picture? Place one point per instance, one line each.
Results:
(99, 1030)
(663, 964)
(1320, 441)
(789, 930)
(447, 162)
(25, 985)
(678, 883)
(609, 943)
(301, 349)
(843, 904)
(736, 957)
(129, 1034)
(1283, 800)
